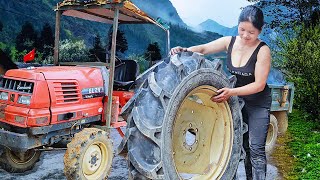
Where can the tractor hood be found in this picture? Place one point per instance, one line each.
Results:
(57, 72)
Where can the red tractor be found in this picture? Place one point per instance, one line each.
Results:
(173, 129)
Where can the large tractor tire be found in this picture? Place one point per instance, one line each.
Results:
(18, 162)
(175, 131)
(89, 155)
(272, 134)
(282, 117)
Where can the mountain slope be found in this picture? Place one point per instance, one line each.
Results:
(160, 8)
(211, 25)
(267, 34)
(14, 13)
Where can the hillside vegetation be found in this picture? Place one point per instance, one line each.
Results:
(14, 14)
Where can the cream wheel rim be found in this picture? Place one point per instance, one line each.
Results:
(95, 160)
(202, 136)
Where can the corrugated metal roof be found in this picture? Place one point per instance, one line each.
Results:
(103, 11)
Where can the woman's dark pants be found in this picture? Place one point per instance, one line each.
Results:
(258, 119)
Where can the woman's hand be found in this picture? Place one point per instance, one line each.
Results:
(177, 49)
(222, 95)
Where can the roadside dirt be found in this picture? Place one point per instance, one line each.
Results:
(282, 157)
(50, 167)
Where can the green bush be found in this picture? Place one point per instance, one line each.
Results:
(73, 51)
(300, 61)
(142, 62)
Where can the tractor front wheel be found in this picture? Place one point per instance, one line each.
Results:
(18, 162)
(89, 155)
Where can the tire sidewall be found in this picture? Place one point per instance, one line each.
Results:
(274, 123)
(282, 118)
(81, 142)
(195, 79)
(12, 166)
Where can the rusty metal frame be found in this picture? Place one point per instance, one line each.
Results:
(116, 8)
(112, 65)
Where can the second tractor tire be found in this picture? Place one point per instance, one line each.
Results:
(272, 134)
(282, 118)
(12, 162)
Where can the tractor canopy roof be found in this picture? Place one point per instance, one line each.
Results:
(103, 11)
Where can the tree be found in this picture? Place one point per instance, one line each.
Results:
(98, 52)
(287, 13)
(1, 26)
(122, 44)
(315, 18)
(297, 51)
(46, 41)
(72, 51)
(6, 63)
(153, 52)
(300, 58)
(27, 38)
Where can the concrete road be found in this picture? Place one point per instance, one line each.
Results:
(50, 167)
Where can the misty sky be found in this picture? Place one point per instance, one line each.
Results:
(194, 12)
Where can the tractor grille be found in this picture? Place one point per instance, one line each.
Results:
(66, 92)
(17, 85)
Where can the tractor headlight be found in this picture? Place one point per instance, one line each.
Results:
(24, 100)
(4, 96)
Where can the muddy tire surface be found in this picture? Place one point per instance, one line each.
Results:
(272, 134)
(89, 155)
(282, 117)
(174, 129)
(16, 162)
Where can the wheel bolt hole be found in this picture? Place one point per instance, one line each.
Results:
(190, 137)
(94, 160)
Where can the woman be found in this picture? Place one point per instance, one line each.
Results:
(249, 59)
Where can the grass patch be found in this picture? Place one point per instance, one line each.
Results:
(304, 144)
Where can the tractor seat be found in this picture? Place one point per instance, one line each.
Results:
(119, 85)
(125, 74)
